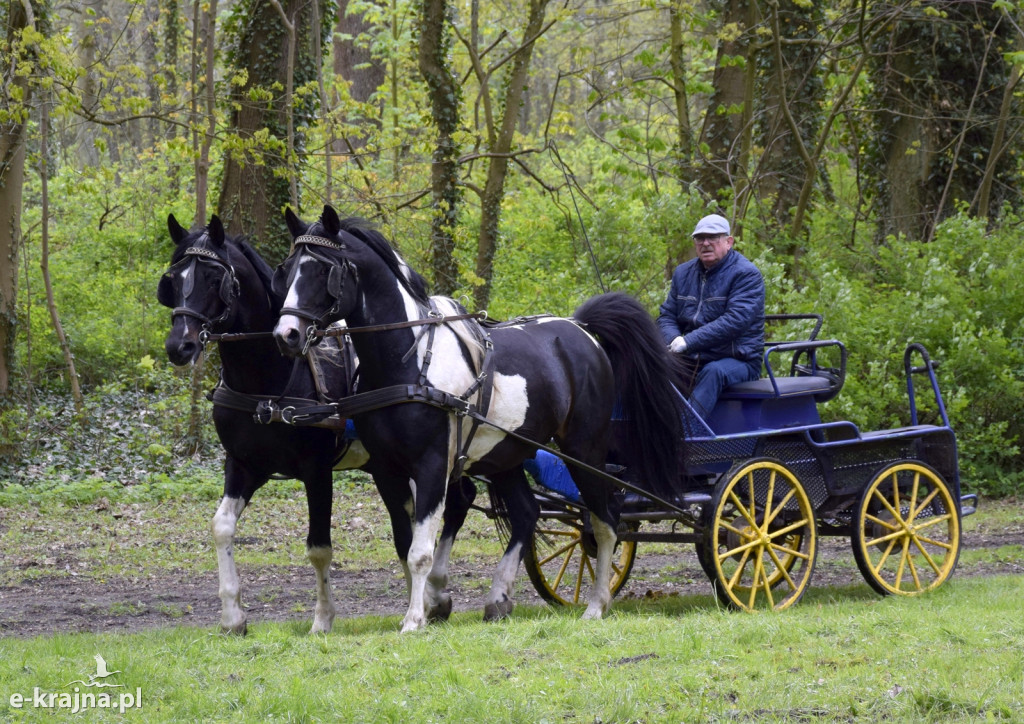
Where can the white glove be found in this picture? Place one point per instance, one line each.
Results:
(677, 345)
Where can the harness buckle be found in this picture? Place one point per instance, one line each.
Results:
(312, 333)
(288, 415)
(264, 414)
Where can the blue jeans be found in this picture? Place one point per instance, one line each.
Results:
(715, 376)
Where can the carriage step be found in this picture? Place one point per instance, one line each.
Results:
(968, 504)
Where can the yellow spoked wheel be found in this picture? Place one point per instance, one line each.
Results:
(560, 560)
(760, 541)
(906, 538)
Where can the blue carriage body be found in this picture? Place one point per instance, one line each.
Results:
(777, 417)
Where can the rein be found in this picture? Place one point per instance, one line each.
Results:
(342, 331)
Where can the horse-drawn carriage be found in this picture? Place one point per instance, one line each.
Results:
(765, 478)
(752, 487)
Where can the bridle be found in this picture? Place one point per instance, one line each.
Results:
(340, 272)
(228, 290)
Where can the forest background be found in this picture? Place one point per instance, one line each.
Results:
(523, 155)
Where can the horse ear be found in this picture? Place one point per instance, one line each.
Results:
(329, 218)
(294, 223)
(177, 232)
(216, 229)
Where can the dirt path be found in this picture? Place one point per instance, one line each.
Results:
(66, 602)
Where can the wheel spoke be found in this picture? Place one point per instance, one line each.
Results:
(789, 528)
(913, 570)
(903, 562)
(559, 551)
(579, 581)
(933, 542)
(892, 536)
(894, 511)
(782, 504)
(880, 521)
(753, 583)
(924, 504)
(884, 557)
(768, 515)
(927, 557)
(742, 509)
(782, 569)
(745, 548)
(933, 521)
(765, 583)
(794, 552)
(739, 568)
(913, 496)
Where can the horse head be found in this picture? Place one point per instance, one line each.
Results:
(318, 281)
(200, 287)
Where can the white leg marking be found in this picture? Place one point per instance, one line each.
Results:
(232, 616)
(421, 560)
(601, 595)
(323, 615)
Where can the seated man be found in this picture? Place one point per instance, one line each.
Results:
(714, 316)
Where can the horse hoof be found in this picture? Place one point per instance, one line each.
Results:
(441, 611)
(499, 610)
(320, 627)
(238, 629)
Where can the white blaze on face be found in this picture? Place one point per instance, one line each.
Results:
(291, 300)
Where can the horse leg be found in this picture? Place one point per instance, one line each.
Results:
(515, 502)
(457, 504)
(428, 494)
(318, 547)
(601, 596)
(239, 485)
(604, 517)
(398, 501)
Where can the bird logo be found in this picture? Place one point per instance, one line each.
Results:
(101, 673)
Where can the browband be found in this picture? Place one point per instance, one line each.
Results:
(318, 241)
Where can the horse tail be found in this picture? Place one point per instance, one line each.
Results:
(645, 397)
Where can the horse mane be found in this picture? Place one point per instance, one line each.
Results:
(263, 270)
(469, 333)
(367, 233)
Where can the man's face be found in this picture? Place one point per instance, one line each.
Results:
(711, 248)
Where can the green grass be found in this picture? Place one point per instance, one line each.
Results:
(841, 655)
(955, 655)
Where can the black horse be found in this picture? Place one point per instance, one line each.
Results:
(218, 284)
(541, 379)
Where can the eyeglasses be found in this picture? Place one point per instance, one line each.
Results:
(710, 238)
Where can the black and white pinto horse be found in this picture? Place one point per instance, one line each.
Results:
(543, 379)
(218, 284)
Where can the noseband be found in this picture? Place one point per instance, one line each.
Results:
(340, 272)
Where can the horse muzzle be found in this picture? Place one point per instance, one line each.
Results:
(290, 335)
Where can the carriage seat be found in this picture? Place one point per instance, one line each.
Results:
(768, 387)
(774, 402)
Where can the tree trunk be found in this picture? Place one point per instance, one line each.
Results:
(255, 185)
(497, 169)
(44, 265)
(12, 176)
(201, 143)
(677, 59)
(444, 95)
(729, 112)
(353, 60)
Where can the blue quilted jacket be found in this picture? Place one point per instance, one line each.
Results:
(719, 311)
